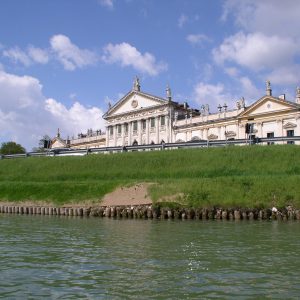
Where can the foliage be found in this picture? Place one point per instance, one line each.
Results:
(233, 176)
(41, 147)
(11, 148)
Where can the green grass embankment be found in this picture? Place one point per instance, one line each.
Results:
(234, 176)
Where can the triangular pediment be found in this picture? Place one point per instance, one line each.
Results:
(57, 142)
(268, 105)
(134, 101)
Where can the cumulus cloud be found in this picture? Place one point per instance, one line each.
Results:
(127, 55)
(211, 94)
(289, 74)
(77, 118)
(107, 3)
(69, 55)
(17, 56)
(197, 39)
(268, 41)
(256, 51)
(255, 16)
(26, 114)
(38, 55)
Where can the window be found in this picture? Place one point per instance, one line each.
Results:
(144, 124)
(290, 133)
(111, 130)
(119, 129)
(126, 128)
(270, 135)
(162, 121)
(152, 122)
(135, 126)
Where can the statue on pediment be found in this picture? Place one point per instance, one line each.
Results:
(136, 84)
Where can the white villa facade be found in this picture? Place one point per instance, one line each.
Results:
(140, 118)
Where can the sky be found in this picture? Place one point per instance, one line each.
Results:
(63, 61)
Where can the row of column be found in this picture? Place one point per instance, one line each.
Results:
(151, 133)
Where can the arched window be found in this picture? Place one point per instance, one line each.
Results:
(135, 143)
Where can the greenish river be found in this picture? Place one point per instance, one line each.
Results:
(51, 257)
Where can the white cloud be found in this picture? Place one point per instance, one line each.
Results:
(26, 114)
(271, 17)
(197, 39)
(256, 51)
(17, 56)
(127, 55)
(77, 118)
(232, 71)
(69, 55)
(213, 95)
(182, 20)
(19, 92)
(38, 55)
(285, 75)
(107, 3)
(248, 90)
(269, 43)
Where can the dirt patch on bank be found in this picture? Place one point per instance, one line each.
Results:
(133, 195)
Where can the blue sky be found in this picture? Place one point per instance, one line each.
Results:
(62, 61)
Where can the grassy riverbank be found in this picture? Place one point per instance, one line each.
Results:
(234, 176)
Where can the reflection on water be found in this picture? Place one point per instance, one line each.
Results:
(59, 257)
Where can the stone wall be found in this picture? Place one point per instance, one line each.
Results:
(152, 212)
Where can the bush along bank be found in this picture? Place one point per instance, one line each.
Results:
(158, 212)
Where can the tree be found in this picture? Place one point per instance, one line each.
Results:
(11, 148)
(44, 144)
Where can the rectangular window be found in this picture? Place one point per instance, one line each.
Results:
(290, 133)
(111, 130)
(162, 121)
(152, 122)
(126, 128)
(119, 129)
(270, 135)
(135, 126)
(144, 124)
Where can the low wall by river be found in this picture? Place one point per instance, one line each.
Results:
(153, 212)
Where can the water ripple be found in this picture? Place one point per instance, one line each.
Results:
(68, 258)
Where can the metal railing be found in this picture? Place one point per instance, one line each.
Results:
(162, 146)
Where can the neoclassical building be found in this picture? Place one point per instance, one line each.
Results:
(140, 118)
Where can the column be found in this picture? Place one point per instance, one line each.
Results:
(129, 133)
(241, 131)
(260, 129)
(206, 133)
(168, 128)
(157, 130)
(123, 134)
(139, 128)
(115, 135)
(220, 133)
(297, 129)
(106, 136)
(147, 131)
(279, 131)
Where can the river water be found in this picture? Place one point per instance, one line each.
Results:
(93, 258)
